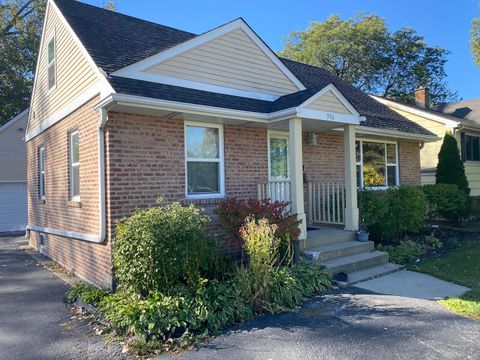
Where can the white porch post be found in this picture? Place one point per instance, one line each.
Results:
(296, 172)
(351, 206)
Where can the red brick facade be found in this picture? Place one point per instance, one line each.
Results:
(144, 159)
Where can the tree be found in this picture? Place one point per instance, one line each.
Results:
(450, 168)
(20, 29)
(475, 40)
(363, 52)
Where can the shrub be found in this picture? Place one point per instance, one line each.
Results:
(406, 252)
(394, 213)
(450, 168)
(233, 212)
(89, 294)
(161, 247)
(445, 200)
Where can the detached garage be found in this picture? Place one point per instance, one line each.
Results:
(13, 175)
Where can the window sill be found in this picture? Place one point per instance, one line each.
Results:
(204, 201)
(74, 203)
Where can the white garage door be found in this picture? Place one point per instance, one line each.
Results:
(13, 206)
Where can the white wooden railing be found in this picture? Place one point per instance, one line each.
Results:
(326, 201)
(278, 190)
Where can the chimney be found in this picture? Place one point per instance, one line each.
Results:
(422, 97)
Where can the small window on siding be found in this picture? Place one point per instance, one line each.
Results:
(74, 158)
(471, 147)
(51, 64)
(41, 172)
(204, 161)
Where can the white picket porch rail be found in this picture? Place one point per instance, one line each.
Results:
(278, 190)
(326, 201)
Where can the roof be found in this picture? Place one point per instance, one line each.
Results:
(467, 110)
(114, 41)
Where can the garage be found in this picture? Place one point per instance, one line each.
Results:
(13, 206)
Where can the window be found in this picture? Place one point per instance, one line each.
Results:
(74, 158)
(204, 160)
(376, 163)
(51, 63)
(42, 239)
(278, 152)
(470, 147)
(41, 172)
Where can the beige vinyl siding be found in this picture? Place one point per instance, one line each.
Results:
(74, 74)
(232, 60)
(329, 102)
(472, 168)
(428, 178)
(13, 158)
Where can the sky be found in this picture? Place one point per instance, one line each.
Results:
(444, 23)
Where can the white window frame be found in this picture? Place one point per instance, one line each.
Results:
(284, 136)
(41, 171)
(386, 163)
(220, 160)
(42, 241)
(72, 165)
(53, 62)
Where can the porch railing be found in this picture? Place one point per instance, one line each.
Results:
(278, 190)
(326, 201)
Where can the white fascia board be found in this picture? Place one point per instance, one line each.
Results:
(396, 134)
(328, 116)
(337, 93)
(133, 70)
(57, 116)
(66, 233)
(415, 111)
(14, 120)
(105, 85)
(200, 86)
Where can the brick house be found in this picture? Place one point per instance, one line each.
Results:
(124, 111)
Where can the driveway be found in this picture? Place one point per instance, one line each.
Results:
(34, 321)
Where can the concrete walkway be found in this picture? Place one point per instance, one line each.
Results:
(34, 322)
(413, 284)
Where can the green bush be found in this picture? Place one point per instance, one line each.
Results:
(406, 252)
(446, 201)
(159, 248)
(89, 294)
(392, 214)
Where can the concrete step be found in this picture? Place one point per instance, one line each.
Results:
(356, 262)
(336, 250)
(325, 236)
(373, 272)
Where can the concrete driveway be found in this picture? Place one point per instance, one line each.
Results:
(34, 322)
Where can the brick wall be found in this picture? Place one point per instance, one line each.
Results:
(409, 161)
(90, 261)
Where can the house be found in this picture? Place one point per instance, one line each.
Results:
(124, 111)
(461, 119)
(13, 175)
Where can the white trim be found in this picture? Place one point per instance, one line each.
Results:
(133, 69)
(396, 134)
(73, 165)
(272, 134)
(13, 181)
(13, 120)
(328, 116)
(201, 86)
(71, 234)
(41, 171)
(415, 111)
(63, 112)
(220, 160)
(338, 95)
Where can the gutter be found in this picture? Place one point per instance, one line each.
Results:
(102, 221)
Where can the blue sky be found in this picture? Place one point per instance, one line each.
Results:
(445, 23)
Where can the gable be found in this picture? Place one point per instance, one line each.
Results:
(12, 149)
(330, 103)
(75, 73)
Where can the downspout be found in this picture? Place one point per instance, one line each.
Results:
(101, 175)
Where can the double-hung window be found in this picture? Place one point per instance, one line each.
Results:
(470, 147)
(41, 172)
(74, 165)
(51, 64)
(204, 160)
(278, 156)
(377, 164)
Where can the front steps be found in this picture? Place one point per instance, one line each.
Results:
(339, 252)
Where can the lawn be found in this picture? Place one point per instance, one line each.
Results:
(460, 266)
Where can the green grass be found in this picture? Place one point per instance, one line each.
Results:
(460, 266)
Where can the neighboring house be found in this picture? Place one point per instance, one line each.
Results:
(13, 175)
(461, 118)
(124, 111)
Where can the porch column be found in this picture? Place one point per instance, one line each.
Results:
(296, 172)
(351, 205)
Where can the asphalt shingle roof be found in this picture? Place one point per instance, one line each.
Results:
(468, 111)
(114, 41)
